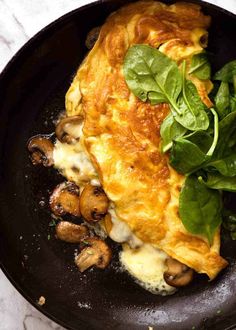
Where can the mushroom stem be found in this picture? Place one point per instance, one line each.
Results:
(86, 259)
(96, 253)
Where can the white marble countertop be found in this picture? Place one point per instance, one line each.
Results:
(19, 21)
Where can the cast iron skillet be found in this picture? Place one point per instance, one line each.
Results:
(32, 89)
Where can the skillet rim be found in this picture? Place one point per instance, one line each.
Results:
(21, 54)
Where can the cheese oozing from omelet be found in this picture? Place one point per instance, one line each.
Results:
(119, 146)
(145, 263)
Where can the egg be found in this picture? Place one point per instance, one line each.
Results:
(120, 147)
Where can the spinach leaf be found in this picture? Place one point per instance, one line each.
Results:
(226, 100)
(219, 182)
(153, 76)
(227, 136)
(192, 152)
(200, 208)
(200, 66)
(232, 103)
(170, 130)
(233, 95)
(229, 222)
(202, 139)
(193, 115)
(222, 100)
(227, 73)
(186, 157)
(225, 166)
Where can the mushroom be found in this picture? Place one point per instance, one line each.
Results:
(203, 41)
(108, 223)
(96, 253)
(70, 232)
(93, 203)
(177, 274)
(67, 129)
(92, 37)
(41, 149)
(65, 199)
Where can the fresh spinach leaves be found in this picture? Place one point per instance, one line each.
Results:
(222, 100)
(219, 182)
(227, 136)
(170, 130)
(153, 76)
(186, 155)
(200, 208)
(226, 73)
(193, 115)
(225, 166)
(200, 66)
(195, 150)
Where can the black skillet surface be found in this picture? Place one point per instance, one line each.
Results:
(32, 89)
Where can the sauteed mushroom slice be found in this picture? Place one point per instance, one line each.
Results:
(41, 150)
(65, 199)
(67, 129)
(70, 232)
(96, 253)
(92, 37)
(93, 203)
(177, 274)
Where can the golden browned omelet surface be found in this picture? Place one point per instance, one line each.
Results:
(122, 134)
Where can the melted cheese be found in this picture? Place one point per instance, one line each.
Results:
(73, 162)
(121, 232)
(147, 265)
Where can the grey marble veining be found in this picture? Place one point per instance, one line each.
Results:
(19, 21)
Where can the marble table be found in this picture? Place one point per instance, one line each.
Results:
(19, 21)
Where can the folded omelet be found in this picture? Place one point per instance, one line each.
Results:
(122, 134)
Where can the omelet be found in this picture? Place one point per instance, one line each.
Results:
(121, 134)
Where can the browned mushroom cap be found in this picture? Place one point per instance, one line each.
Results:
(65, 199)
(70, 232)
(67, 129)
(92, 37)
(93, 203)
(203, 41)
(177, 273)
(41, 149)
(96, 253)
